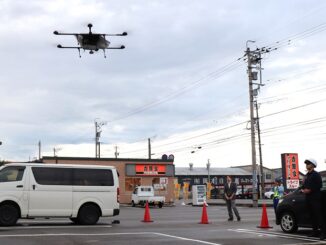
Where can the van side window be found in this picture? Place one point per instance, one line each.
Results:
(52, 176)
(10, 174)
(93, 177)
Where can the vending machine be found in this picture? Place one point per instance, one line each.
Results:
(198, 194)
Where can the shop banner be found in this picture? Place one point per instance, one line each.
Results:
(290, 170)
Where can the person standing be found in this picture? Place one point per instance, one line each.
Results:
(311, 188)
(230, 189)
(278, 190)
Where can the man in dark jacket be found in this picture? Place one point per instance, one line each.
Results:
(311, 188)
(230, 189)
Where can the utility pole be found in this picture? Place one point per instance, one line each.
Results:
(149, 149)
(116, 153)
(262, 177)
(208, 165)
(55, 151)
(39, 150)
(98, 131)
(251, 77)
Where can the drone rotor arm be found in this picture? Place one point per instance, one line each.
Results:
(64, 34)
(78, 48)
(60, 46)
(121, 34)
(121, 47)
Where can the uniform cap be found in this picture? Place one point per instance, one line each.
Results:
(311, 161)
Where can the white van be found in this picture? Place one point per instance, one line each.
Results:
(82, 193)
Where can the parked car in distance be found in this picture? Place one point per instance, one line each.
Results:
(239, 194)
(269, 194)
(248, 194)
(143, 194)
(291, 211)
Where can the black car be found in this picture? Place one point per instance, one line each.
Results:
(292, 212)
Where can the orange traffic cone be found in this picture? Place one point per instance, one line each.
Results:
(147, 216)
(264, 219)
(204, 216)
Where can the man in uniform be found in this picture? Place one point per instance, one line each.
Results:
(278, 190)
(311, 188)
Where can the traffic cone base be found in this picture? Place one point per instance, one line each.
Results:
(147, 216)
(204, 216)
(264, 219)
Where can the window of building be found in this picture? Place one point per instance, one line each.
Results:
(156, 183)
(268, 176)
(205, 180)
(131, 183)
(196, 181)
(221, 181)
(214, 181)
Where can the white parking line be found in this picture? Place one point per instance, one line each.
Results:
(274, 234)
(52, 227)
(187, 239)
(109, 234)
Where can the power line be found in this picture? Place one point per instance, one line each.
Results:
(274, 46)
(231, 66)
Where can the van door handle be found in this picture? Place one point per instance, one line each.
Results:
(33, 187)
(19, 186)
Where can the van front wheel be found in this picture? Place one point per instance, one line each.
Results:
(88, 215)
(9, 215)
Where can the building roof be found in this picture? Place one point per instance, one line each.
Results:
(108, 159)
(212, 171)
(250, 165)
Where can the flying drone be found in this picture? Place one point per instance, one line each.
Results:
(91, 41)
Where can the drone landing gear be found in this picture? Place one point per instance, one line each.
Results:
(79, 52)
(104, 53)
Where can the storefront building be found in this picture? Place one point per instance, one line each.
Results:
(132, 172)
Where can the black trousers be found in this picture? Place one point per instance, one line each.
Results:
(314, 207)
(231, 206)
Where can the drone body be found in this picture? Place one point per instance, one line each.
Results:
(91, 41)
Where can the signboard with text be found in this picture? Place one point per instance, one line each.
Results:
(150, 169)
(292, 184)
(290, 170)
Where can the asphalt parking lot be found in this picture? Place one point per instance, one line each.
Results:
(171, 225)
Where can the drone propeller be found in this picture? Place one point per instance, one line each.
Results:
(90, 28)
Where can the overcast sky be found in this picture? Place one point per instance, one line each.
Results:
(178, 82)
